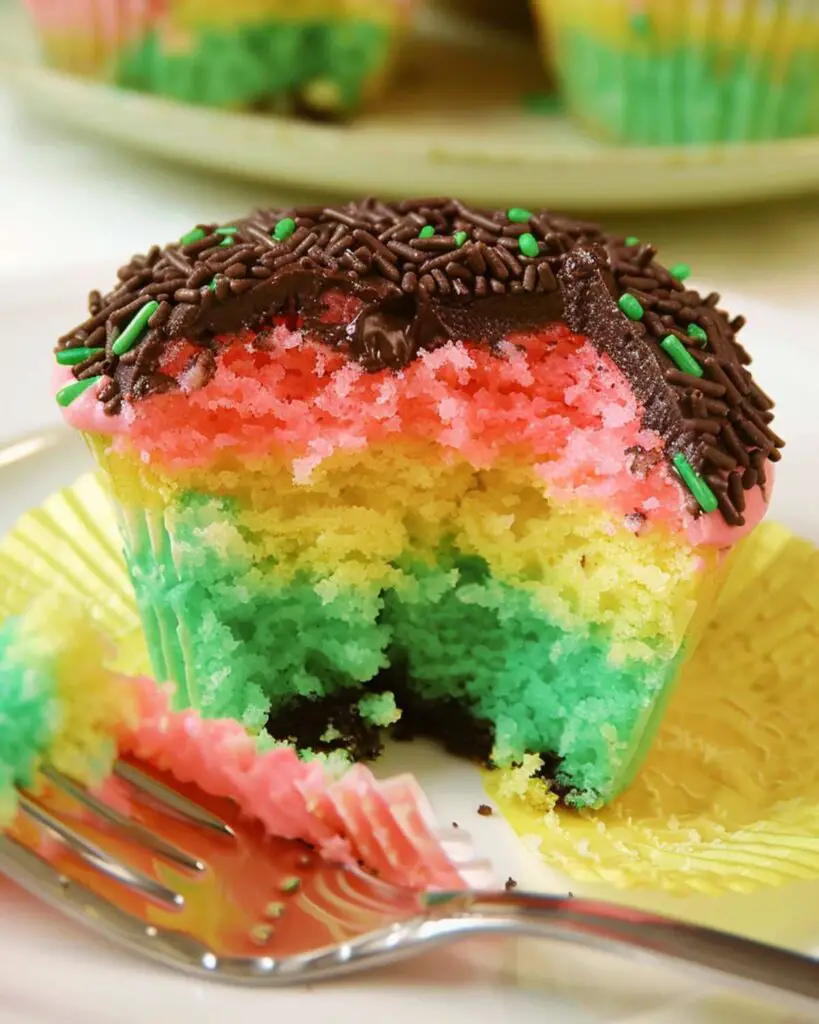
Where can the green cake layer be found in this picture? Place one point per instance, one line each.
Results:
(472, 660)
(327, 64)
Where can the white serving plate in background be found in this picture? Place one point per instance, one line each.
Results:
(454, 124)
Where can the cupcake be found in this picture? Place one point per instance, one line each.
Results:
(692, 72)
(326, 56)
(465, 473)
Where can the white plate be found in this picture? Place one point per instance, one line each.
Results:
(454, 125)
(53, 973)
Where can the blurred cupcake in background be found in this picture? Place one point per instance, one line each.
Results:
(328, 56)
(678, 72)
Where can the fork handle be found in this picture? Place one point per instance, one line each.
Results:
(776, 972)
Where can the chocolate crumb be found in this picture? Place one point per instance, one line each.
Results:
(485, 811)
(510, 884)
(635, 521)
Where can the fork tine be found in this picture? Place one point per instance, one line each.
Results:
(131, 829)
(38, 877)
(171, 801)
(95, 856)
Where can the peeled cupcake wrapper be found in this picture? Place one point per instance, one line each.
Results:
(227, 55)
(686, 73)
(59, 705)
(727, 801)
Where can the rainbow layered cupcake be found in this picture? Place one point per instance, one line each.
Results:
(325, 55)
(466, 473)
(655, 72)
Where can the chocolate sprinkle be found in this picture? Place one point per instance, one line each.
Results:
(470, 280)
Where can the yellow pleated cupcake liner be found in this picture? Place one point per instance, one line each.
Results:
(70, 546)
(728, 799)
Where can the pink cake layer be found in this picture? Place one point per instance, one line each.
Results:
(550, 397)
(355, 818)
(113, 20)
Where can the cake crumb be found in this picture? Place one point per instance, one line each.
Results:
(455, 824)
(510, 884)
(485, 811)
(379, 709)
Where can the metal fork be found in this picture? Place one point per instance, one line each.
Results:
(192, 885)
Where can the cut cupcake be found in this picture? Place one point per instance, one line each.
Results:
(463, 473)
(327, 56)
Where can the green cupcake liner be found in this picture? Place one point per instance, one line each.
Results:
(705, 73)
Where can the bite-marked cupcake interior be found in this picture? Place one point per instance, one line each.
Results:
(465, 473)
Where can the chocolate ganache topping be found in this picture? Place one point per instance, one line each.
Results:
(427, 271)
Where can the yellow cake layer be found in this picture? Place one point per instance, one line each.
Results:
(758, 28)
(364, 514)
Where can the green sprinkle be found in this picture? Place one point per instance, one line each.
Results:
(460, 237)
(682, 357)
(73, 356)
(130, 336)
(291, 885)
(284, 229)
(632, 240)
(528, 245)
(274, 910)
(73, 391)
(518, 215)
(681, 271)
(640, 23)
(696, 332)
(695, 483)
(212, 285)
(631, 307)
(196, 235)
(426, 232)
(230, 230)
(261, 934)
(228, 234)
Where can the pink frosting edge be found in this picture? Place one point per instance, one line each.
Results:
(712, 531)
(387, 825)
(86, 413)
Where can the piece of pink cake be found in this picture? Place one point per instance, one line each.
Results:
(60, 706)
